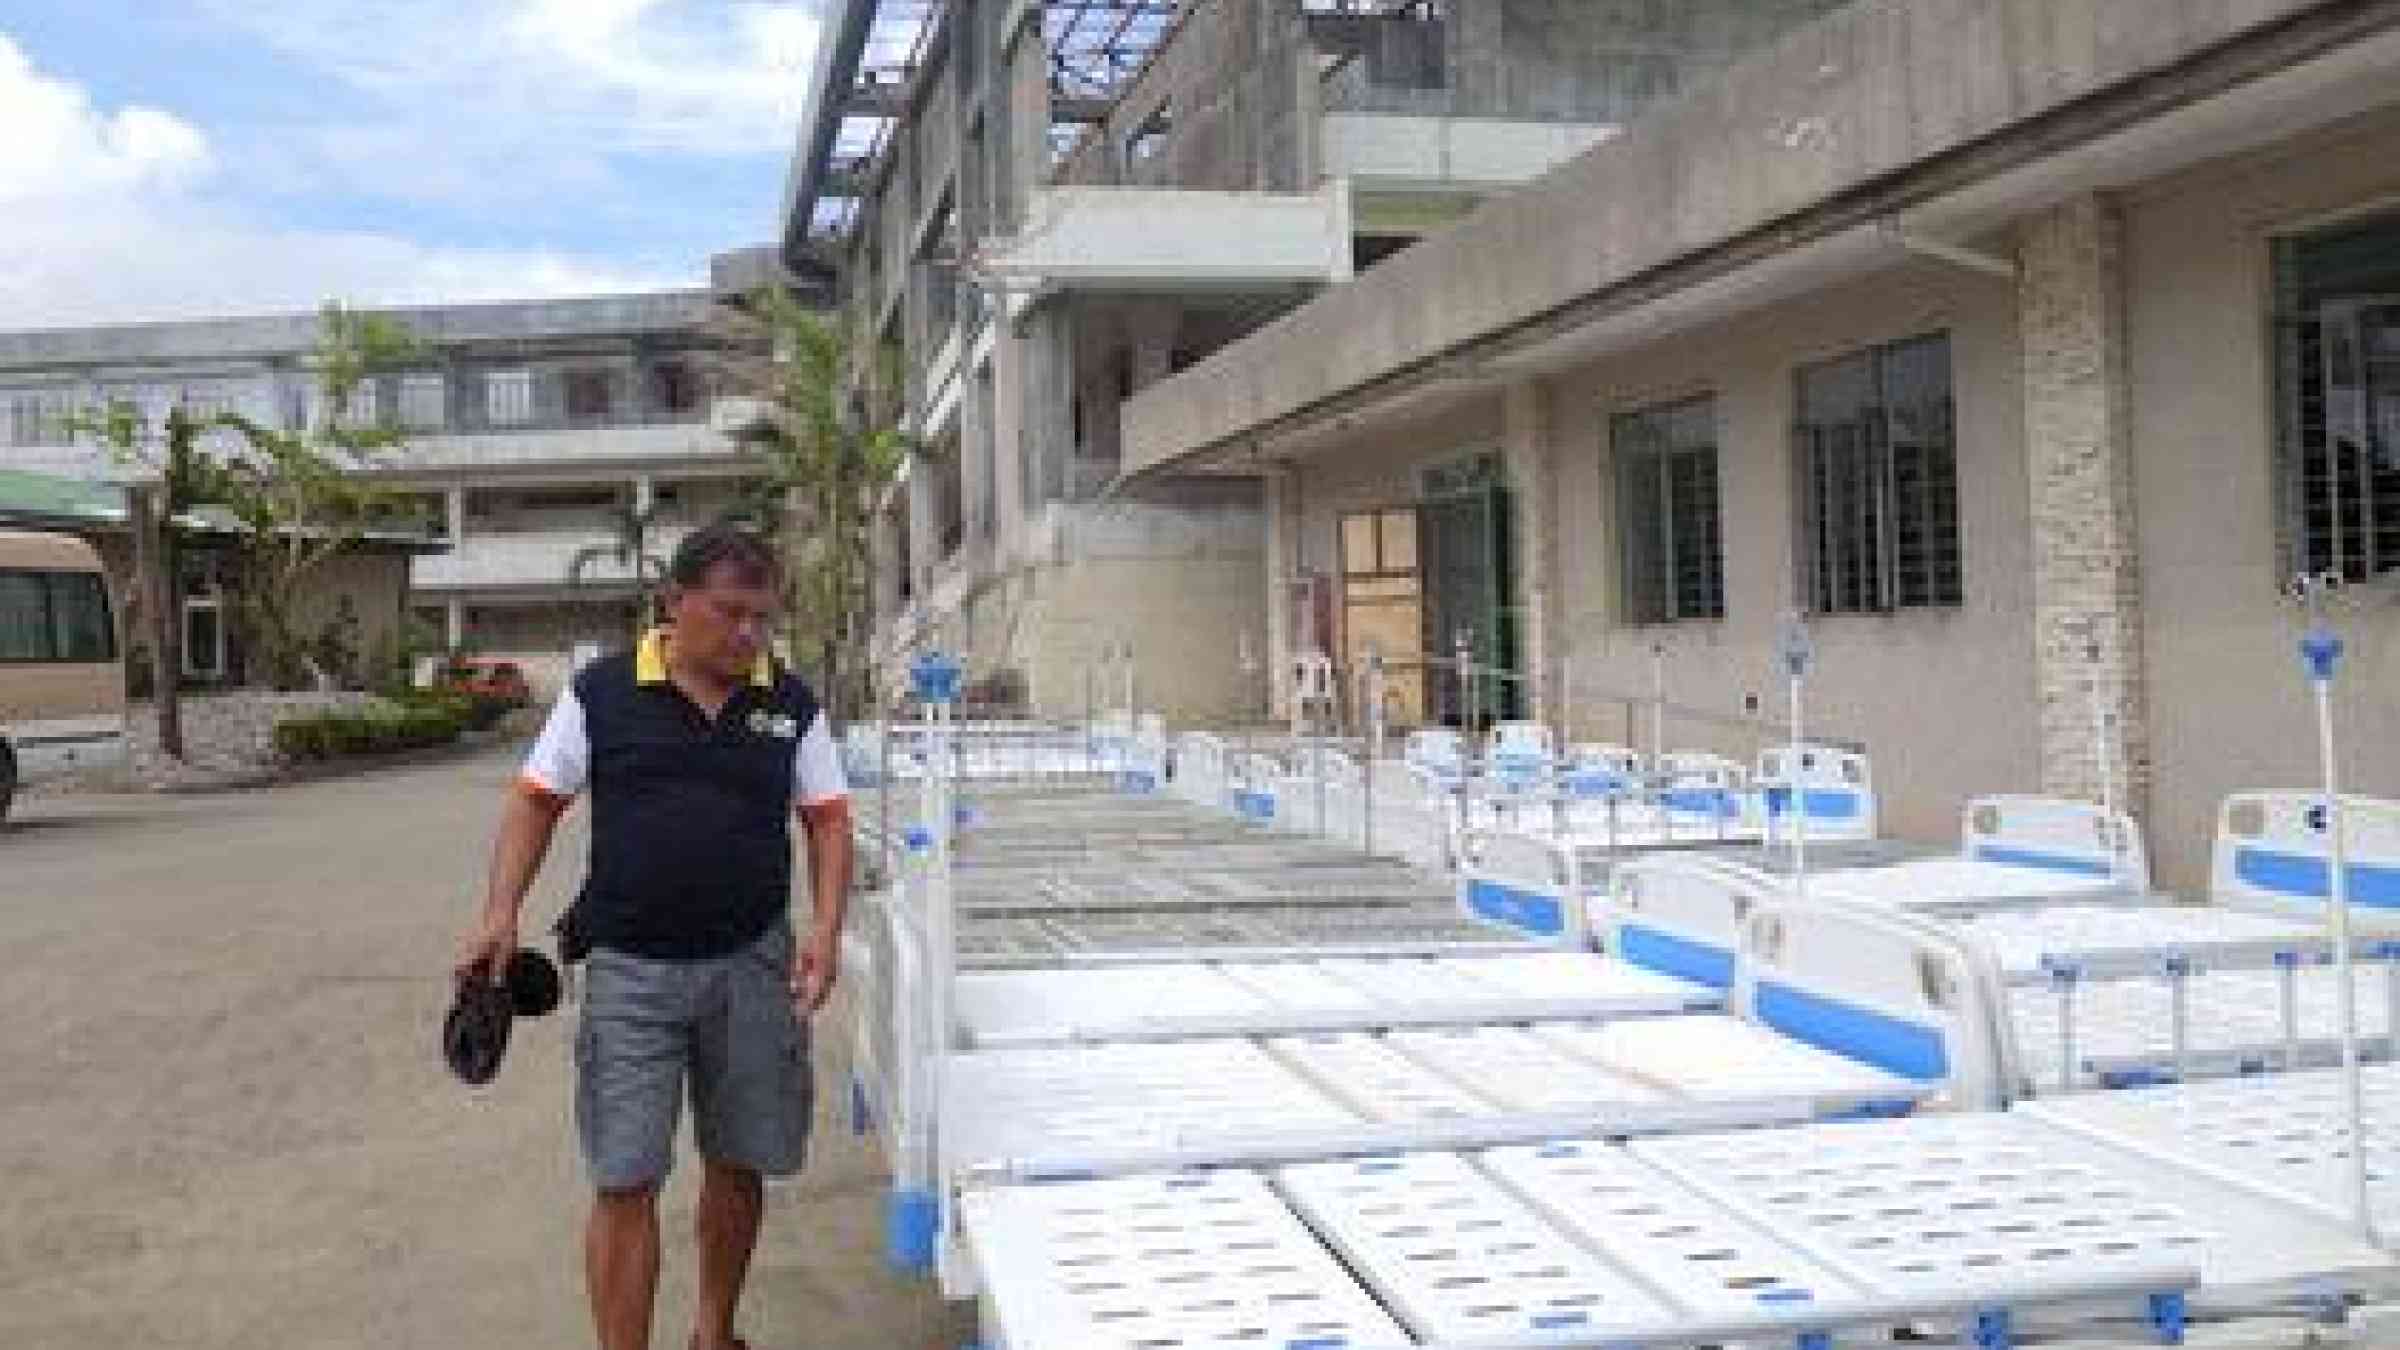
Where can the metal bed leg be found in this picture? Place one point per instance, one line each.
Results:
(2287, 967)
(2177, 970)
(2062, 978)
(2389, 954)
(2167, 1317)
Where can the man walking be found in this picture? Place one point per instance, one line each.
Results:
(697, 751)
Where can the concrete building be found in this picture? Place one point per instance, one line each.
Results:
(1050, 209)
(2030, 346)
(365, 589)
(532, 427)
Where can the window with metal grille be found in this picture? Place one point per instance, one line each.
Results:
(1671, 543)
(2338, 381)
(423, 400)
(508, 397)
(1875, 454)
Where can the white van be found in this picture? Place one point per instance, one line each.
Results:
(62, 686)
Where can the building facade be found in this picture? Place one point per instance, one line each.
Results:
(2027, 348)
(1051, 209)
(533, 431)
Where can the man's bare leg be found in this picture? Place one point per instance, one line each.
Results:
(725, 1229)
(620, 1266)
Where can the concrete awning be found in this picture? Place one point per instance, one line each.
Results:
(1173, 240)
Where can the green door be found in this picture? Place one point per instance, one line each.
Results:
(1470, 591)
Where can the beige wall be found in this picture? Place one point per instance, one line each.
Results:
(376, 585)
(2227, 707)
(1944, 699)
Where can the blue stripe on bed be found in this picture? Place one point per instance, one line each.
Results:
(2048, 862)
(2308, 877)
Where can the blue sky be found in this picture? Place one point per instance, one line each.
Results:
(167, 158)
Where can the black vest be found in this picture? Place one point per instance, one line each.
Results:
(691, 819)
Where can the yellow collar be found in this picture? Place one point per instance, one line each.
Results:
(650, 662)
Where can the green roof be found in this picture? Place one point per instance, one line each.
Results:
(50, 502)
(44, 499)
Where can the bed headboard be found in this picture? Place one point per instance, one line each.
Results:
(1836, 790)
(1523, 883)
(1682, 915)
(1873, 987)
(2058, 834)
(1522, 738)
(2273, 853)
(1436, 748)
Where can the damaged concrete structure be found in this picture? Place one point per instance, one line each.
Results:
(1050, 209)
(2029, 347)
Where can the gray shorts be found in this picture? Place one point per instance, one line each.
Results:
(725, 1024)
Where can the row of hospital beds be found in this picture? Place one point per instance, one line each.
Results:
(1559, 1137)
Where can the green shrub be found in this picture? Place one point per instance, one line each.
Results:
(414, 724)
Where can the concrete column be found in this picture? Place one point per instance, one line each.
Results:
(645, 493)
(454, 635)
(1526, 445)
(924, 533)
(1008, 444)
(2086, 565)
(1283, 562)
(975, 454)
(456, 502)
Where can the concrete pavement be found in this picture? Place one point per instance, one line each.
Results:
(223, 1121)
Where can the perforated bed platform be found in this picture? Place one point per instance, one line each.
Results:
(1709, 1056)
(1463, 1261)
(2124, 1029)
(1959, 884)
(2286, 1137)
(1066, 1101)
(1377, 1081)
(1698, 1253)
(1974, 1205)
(1519, 1070)
(2107, 939)
(1164, 1263)
(1100, 1004)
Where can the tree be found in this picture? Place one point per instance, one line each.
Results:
(631, 528)
(292, 502)
(184, 476)
(295, 495)
(824, 455)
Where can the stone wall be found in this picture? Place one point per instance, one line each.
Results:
(2086, 569)
(224, 735)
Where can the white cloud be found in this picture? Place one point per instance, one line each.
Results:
(108, 216)
(57, 145)
(587, 77)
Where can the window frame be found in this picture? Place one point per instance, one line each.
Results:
(2337, 524)
(508, 398)
(50, 582)
(1865, 575)
(1665, 570)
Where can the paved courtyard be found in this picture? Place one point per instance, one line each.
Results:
(223, 1121)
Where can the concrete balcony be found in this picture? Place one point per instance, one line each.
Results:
(532, 561)
(667, 442)
(1104, 238)
(1392, 152)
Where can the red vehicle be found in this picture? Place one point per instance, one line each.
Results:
(482, 678)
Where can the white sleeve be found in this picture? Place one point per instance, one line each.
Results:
(817, 777)
(561, 759)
